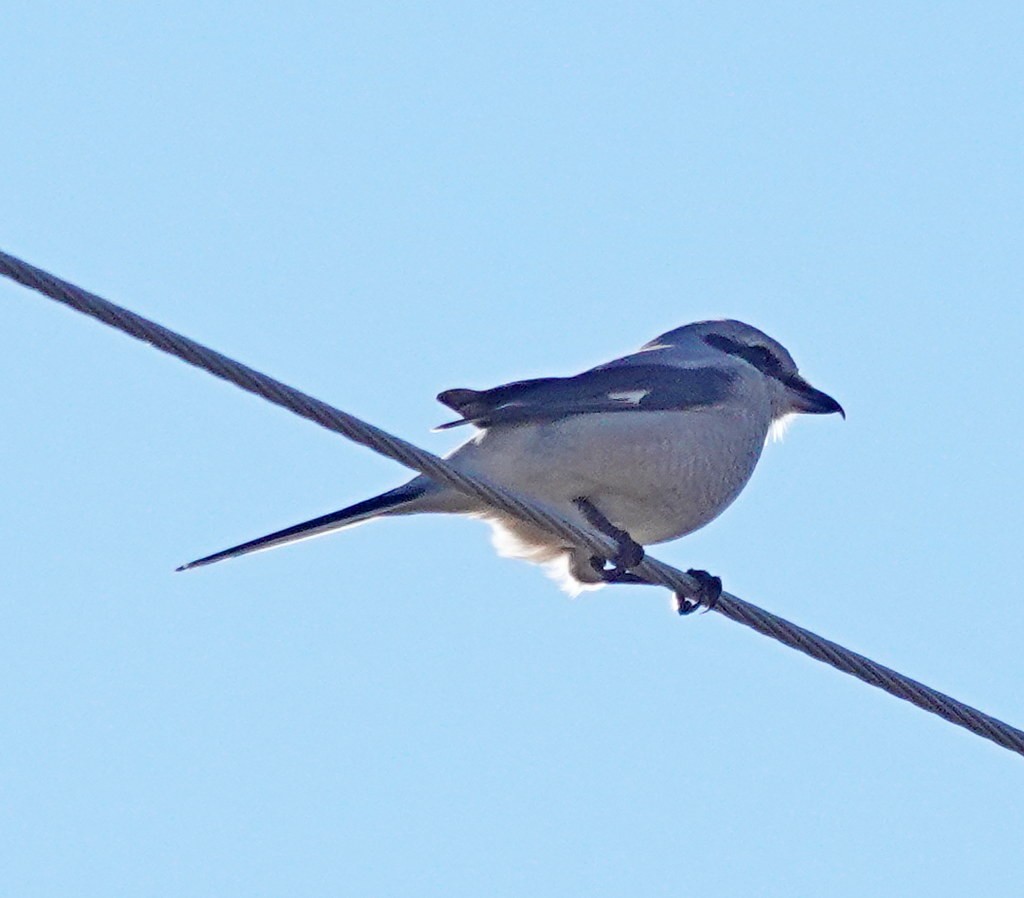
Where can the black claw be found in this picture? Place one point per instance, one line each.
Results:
(613, 574)
(708, 594)
(685, 605)
(617, 575)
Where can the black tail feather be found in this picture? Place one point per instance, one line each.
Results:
(345, 517)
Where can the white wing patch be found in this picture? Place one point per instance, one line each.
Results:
(633, 397)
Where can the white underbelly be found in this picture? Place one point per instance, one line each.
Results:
(656, 475)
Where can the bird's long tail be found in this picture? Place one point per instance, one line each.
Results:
(390, 501)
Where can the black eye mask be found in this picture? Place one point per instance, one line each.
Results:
(761, 357)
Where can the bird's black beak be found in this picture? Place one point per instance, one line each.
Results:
(810, 401)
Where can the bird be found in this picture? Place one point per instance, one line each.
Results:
(645, 448)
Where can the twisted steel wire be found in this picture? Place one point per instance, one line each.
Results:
(413, 457)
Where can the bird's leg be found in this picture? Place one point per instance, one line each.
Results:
(708, 593)
(629, 553)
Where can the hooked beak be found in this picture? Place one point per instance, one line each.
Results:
(811, 401)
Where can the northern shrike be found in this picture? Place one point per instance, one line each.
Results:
(645, 448)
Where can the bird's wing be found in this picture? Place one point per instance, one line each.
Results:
(606, 389)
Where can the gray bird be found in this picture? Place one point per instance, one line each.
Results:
(645, 448)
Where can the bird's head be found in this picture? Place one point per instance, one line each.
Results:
(792, 394)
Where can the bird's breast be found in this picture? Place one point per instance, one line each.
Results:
(657, 475)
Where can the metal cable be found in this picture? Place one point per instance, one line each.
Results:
(437, 469)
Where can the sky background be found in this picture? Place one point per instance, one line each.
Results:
(378, 202)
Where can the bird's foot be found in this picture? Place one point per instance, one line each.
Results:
(709, 591)
(613, 574)
(628, 552)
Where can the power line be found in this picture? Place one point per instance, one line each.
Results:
(437, 469)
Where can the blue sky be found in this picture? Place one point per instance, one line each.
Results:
(377, 203)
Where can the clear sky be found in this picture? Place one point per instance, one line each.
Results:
(375, 202)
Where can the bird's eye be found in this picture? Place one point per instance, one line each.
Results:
(723, 343)
(762, 358)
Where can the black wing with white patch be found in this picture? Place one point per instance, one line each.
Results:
(628, 388)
